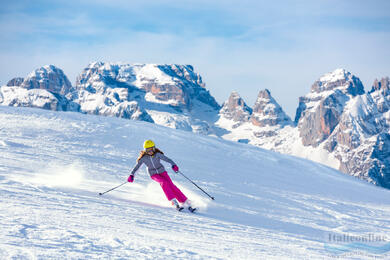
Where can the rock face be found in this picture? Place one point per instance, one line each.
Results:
(379, 172)
(319, 112)
(267, 112)
(337, 124)
(46, 87)
(49, 78)
(169, 95)
(350, 124)
(101, 91)
(15, 82)
(258, 125)
(380, 92)
(236, 110)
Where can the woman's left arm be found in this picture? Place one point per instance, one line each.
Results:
(164, 158)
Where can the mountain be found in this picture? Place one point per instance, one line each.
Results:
(319, 112)
(267, 112)
(46, 87)
(15, 82)
(267, 205)
(235, 111)
(340, 117)
(260, 125)
(102, 90)
(169, 95)
(380, 92)
(336, 124)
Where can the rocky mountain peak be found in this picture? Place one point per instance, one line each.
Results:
(46, 87)
(264, 94)
(15, 82)
(176, 85)
(50, 78)
(267, 112)
(380, 92)
(339, 79)
(235, 102)
(236, 109)
(383, 86)
(319, 112)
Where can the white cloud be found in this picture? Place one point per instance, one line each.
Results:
(278, 53)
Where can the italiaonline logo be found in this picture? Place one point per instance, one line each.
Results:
(348, 238)
(358, 244)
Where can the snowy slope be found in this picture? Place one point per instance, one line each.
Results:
(268, 205)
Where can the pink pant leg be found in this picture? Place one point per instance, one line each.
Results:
(170, 189)
(178, 194)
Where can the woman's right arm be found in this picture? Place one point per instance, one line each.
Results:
(136, 167)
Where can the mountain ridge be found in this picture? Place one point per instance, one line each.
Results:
(337, 122)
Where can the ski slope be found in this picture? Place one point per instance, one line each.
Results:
(267, 206)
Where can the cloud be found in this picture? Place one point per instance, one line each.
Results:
(245, 46)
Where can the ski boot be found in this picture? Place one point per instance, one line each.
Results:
(176, 204)
(191, 209)
(187, 204)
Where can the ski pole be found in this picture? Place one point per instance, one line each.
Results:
(196, 185)
(101, 193)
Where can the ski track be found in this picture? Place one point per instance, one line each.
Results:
(119, 229)
(52, 166)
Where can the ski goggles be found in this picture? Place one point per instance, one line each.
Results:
(151, 149)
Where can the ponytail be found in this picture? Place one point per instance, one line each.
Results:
(141, 154)
(156, 150)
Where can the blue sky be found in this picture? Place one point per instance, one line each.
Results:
(244, 46)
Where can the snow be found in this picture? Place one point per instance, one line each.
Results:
(268, 205)
(152, 98)
(338, 74)
(360, 106)
(152, 72)
(18, 96)
(141, 73)
(317, 154)
(171, 120)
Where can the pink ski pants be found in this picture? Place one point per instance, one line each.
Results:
(170, 189)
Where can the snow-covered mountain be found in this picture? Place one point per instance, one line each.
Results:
(340, 117)
(336, 124)
(169, 95)
(267, 112)
(267, 205)
(235, 111)
(46, 87)
(319, 112)
(260, 125)
(380, 92)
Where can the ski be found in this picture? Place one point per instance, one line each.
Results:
(180, 208)
(191, 209)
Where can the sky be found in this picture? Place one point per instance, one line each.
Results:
(244, 46)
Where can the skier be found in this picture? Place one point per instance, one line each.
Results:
(151, 157)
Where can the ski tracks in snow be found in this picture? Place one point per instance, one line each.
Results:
(268, 206)
(53, 222)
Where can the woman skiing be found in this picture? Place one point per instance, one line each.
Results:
(151, 157)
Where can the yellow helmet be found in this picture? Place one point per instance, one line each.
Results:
(148, 144)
